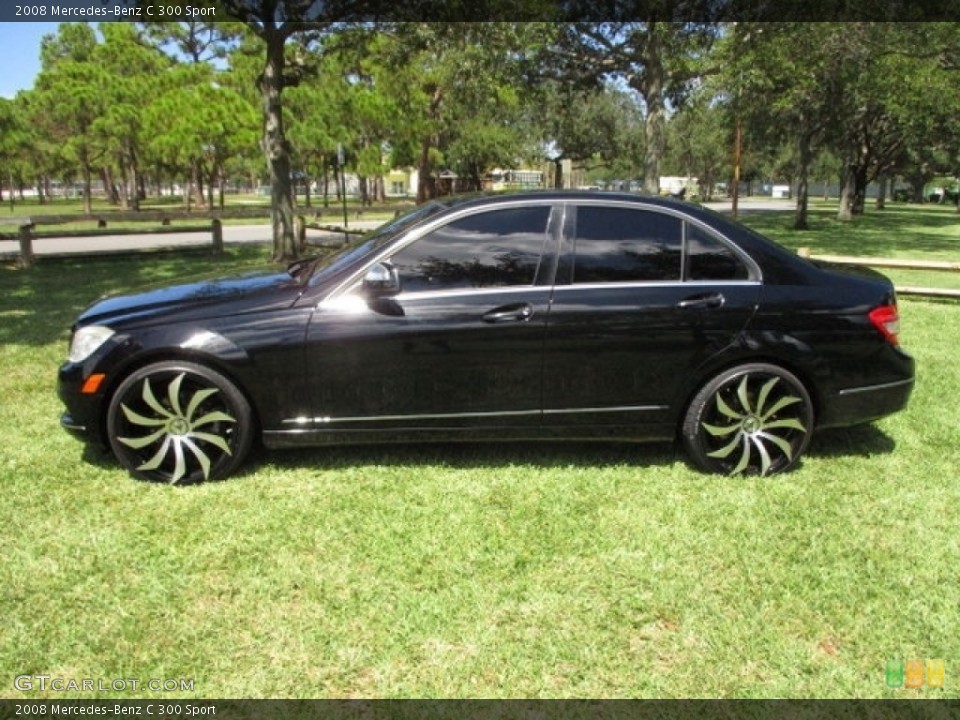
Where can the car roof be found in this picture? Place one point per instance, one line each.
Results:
(553, 195)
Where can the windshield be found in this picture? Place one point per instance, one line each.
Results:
(327, 266)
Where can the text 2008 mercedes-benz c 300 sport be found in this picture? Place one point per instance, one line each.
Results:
(529, 316)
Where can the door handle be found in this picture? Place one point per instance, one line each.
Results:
(710, 301)
(521, 312)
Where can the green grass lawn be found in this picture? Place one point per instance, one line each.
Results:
(479, 570)
(901, 231)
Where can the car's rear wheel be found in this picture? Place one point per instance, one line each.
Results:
(179, 422)
(752, 419)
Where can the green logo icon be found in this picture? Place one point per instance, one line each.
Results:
(894, 673)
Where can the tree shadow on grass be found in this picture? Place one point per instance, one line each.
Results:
(38, 306)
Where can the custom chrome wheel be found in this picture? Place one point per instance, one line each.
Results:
(179, 422)
(753, 419)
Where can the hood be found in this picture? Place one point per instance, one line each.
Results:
(262, 289)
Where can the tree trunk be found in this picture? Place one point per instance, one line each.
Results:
(426, 185)
(847, 190)
(275, 148)
(123, 186)
(651, 89)
(363, 190)
(133, 191)
(326, 183)
(805, 152)
(859, 189)
(87, 189)
(882, 191)
(196, 185)
(706, 185)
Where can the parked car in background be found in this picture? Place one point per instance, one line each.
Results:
(529, 316)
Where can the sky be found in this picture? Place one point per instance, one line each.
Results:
(20, 54)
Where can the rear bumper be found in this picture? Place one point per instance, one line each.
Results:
(856, 405)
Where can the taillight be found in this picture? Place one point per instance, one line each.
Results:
(886, 319)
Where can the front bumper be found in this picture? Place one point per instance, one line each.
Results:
(82, 417)
(73, 427)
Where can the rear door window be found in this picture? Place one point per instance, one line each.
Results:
(624, 245)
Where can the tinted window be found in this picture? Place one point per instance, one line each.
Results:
(491, 249)
(624, 245)
(708, 258)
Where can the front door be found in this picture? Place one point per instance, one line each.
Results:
(458, 349)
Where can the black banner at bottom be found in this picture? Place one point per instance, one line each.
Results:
(484, 709)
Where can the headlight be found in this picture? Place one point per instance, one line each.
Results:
(86, 340)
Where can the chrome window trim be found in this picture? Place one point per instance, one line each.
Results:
(756, 275)
(638, 285)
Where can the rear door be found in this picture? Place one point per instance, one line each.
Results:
(643, 297)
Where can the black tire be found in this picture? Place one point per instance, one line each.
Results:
(755, 419)
(179, 422)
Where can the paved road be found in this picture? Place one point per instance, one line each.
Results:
(249, 234)
(752, 205)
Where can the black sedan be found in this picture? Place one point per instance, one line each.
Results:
(547, 315)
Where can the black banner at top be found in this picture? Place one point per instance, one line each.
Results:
(486, 10)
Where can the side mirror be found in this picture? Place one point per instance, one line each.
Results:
(381, 280)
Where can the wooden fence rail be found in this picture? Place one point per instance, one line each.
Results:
(26, 227)
(26, 236)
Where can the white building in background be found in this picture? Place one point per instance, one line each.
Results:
(673, 184)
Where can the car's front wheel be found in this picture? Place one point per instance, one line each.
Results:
(752, 419)
(179, 422)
